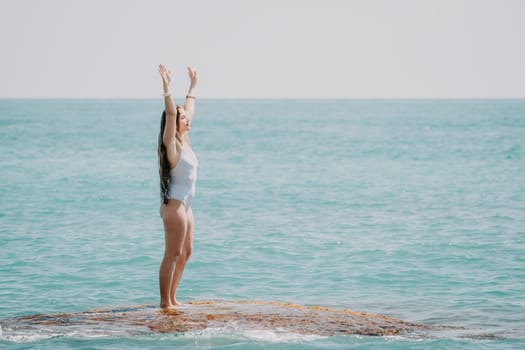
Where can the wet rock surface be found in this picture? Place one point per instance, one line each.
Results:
(200, 315)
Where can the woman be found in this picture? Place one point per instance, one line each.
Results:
(178, 173)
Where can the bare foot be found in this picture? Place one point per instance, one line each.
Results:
(166, 305)
(176, 302)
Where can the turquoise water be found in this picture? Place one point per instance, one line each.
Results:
(413, 209)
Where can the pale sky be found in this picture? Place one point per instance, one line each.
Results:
(264, 48)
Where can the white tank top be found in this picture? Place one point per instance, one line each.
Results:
(183, 177)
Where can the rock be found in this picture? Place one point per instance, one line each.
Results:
(199, 315)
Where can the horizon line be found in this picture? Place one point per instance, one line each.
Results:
(266, 98)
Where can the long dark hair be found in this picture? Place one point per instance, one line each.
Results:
(164, 165)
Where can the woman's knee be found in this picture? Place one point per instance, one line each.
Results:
(173, 254)
(187, 252)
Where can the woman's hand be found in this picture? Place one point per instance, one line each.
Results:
(165, 74)
(193, 77)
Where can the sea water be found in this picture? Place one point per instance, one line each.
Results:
(410, 208)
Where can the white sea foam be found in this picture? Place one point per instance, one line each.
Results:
(278, 336)
(25, 338)
(234, 330)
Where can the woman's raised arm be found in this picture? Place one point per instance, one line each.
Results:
(165, 74)
(169, 107)
(170, 129)
(189, 103)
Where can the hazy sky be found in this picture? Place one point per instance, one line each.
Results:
(264, 48)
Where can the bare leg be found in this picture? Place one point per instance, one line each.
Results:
(175, 226)
(183, 259)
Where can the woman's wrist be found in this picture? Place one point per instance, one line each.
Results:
(166, 90)
(191, 92)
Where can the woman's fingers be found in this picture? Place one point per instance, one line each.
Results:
(193, 76)
(165, 73)
(191, 72)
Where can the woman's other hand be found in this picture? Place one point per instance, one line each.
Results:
(193, 77)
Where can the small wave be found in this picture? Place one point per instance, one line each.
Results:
(23, 337)
(235, 331)
(279, 336)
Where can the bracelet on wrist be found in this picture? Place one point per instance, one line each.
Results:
(189, 96)
(166, 94)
